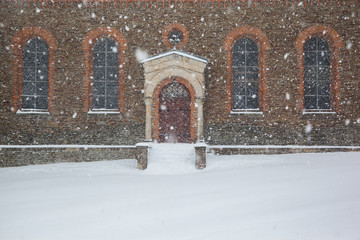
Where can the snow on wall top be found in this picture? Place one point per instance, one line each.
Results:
(175, 3)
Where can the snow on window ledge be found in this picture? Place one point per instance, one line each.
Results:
(250, 111)
(103, 112)
(32, 111)
(318, 111)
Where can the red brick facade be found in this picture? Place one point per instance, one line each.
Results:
(279, 27)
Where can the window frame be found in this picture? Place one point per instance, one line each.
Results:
(246, 80)
(105, 81)
(35, 81)
(335, 44)
(88, 45)
(263, 45)
(18, 44)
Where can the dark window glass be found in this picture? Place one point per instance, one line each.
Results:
(106, 71)
(175, 37)
(35, 78)
(317, 77)
(245, 65)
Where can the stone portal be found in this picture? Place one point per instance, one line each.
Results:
(160, 72)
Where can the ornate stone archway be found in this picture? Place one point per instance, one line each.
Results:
(159, 70)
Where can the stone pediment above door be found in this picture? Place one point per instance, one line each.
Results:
(174, 64)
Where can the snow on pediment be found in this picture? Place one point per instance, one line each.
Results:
(183, 54)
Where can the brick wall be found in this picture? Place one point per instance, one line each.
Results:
(208, 27)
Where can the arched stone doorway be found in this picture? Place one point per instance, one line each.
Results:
(174, 113)
(162, 70)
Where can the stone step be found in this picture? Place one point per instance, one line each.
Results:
(171, 158)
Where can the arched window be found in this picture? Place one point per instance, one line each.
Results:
(35, 75)
(245, 67)
(105, 88)
(319, 62)
(246, 53)
(317, 74)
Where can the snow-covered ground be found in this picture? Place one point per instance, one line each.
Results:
(279, 197)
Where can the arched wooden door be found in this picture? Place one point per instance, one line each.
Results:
(174, 113)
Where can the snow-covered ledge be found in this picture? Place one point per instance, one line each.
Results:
(174, 64)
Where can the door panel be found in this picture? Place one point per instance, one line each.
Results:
(174, 114)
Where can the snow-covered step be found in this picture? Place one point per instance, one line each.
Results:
(170, 158)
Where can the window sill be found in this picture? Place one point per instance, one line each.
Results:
(32, 111)
(103, 112)
(318, 112)
(246, 112)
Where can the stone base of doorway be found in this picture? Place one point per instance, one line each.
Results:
(173, 157)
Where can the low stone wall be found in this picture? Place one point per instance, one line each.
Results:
(20, 156)
(246, 150)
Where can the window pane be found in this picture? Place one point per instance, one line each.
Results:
(29, 59)
(252, 59)
(111, 89)
(324, 73)
(28, 102)
(310, 88)
(42, 89)
(323, 44)
(238, 102)
(99, 102)
(42, 74)
(310, 58)
(112, 74)
(99, 59)
(310, 45)
(251, 45)
(310, 102)
(99, 88)
(252, 103)
(111, 103)
(99, 74)
(324, 88)
(310, 73)
(239, 88)
(239, 59)
(324, 58)
(324, 102)
(29, 74)
(41, 103)
(252, 90)
(28, 88)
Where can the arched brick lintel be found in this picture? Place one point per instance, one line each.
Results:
(193, 113)
(88, 45)
(336, 44)
(263, 43)
(17, 46)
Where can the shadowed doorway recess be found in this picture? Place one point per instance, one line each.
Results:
(174, 113)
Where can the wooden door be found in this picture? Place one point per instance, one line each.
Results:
(174, 114)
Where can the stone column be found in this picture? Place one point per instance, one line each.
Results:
(148, 104)
(142, 155)
(200, 118)
(200, 154)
